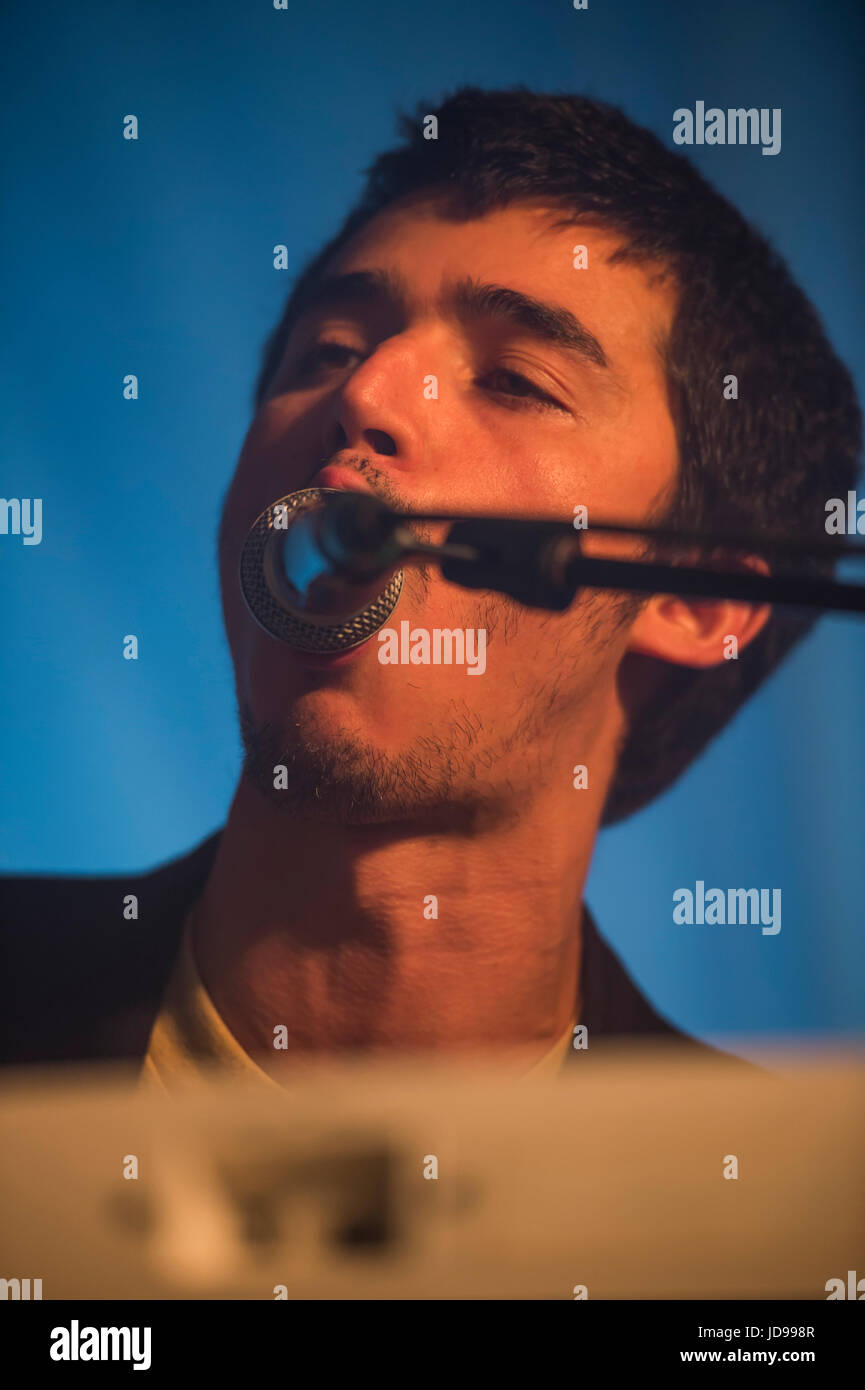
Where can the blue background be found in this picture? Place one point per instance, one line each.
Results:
(155, 257)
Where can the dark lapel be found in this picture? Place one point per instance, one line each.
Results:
(613, 1008)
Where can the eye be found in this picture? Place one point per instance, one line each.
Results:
(503, 382)
(322, 357)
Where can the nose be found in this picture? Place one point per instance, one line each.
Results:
(378, 441)
(376, 411)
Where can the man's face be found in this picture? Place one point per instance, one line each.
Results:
(418, 379)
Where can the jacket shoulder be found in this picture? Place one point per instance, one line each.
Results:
(615, 1010)
(80, 981)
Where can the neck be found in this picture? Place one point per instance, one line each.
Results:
(393, 937)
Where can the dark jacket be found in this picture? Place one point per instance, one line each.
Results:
(78, 982)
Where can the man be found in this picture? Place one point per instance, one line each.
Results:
(535, 307)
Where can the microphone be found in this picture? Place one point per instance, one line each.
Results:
(313, 568)
(314, 564)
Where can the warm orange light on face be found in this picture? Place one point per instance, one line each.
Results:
(463, 367)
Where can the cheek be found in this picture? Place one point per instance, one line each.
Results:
(280, 453)
(270, 466)
(641, 451)
(233, 531)
(240, 509)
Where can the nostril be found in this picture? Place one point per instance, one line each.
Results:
(382, 443)
(337, 441)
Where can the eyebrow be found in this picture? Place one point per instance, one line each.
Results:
(548, 322)
(466, 298)
(357, 287)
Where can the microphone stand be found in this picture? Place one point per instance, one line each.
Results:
(541, 563)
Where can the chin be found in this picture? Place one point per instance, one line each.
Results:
(332, 771)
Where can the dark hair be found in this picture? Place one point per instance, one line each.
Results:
(768, 461)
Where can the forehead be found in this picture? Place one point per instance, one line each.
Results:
(628, 306)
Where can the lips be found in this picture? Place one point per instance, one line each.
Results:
(323, 661)
(344, 479)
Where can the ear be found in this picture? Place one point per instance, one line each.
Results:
(698, 632)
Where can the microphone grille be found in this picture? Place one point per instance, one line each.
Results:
(280, 621)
